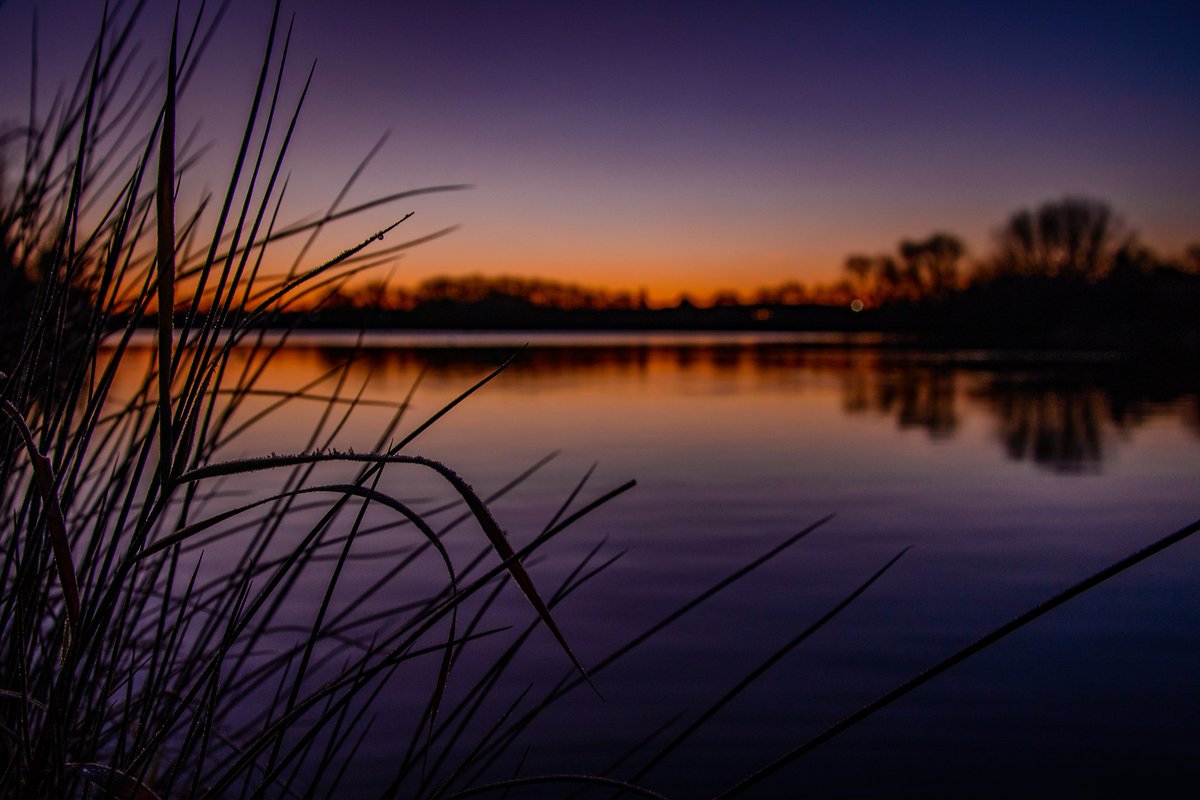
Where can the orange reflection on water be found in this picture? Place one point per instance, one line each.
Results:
(696, 396)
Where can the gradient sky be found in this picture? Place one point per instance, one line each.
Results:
(692, 145)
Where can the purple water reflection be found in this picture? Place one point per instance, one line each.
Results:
(1010, 478)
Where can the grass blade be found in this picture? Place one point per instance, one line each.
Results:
(758, 671)
(56, 527)
(1041, 609)
(165, 204)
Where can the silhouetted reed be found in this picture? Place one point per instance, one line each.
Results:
(126, 663)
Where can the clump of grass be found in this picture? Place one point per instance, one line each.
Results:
(125, 664)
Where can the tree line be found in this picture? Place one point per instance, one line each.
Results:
(483, 290)
(1070, 240)
(1067, 273)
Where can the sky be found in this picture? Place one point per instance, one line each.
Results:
(693, 146)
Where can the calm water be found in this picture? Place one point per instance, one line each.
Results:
(1009, 479)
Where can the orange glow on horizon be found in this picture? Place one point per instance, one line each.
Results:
(661, 285)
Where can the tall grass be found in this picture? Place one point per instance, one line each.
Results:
(129, 669)
(125, 664)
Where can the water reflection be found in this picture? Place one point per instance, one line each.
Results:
(918, 396)
(1009, 478)
(1066, 417)
(1059, 414)
(1056, 423)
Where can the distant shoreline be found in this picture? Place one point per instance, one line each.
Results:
(820, 327)
(906, 346)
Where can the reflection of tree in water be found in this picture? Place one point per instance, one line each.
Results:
(918, 395)
(470, 361)
(1060, 416)
(1062, 428)
(762, 359)
(1064, 418)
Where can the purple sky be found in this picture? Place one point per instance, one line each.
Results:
(692, 146)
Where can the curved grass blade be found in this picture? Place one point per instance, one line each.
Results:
(758, 671)
(567, 684)
(165, 205)
(1045, 607)
(483, 515)
(56, 526)
(112, 782)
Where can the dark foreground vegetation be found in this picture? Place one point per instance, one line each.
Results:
(132, 668)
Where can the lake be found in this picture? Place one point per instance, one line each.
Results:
(1008, 476)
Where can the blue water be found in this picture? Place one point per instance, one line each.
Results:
(1009, 476)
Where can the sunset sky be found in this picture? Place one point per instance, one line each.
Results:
(691, 146)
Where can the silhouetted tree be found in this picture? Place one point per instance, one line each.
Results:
(1191, 258)
(686, 302)
(623, 300)
(861, 270)
(44, 286)
(1133, 258)
(793, 293)
(725, 297)
(931, 265)
(510, 291)
(928, 270)
(836, 294)
(888, 279)
(788, 293)
(1069, 238)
